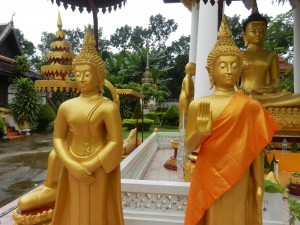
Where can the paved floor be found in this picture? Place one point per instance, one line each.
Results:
(156, 171)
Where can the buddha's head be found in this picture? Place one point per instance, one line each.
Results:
(254, 27)
(190, 69)
(89, 65)
(224, 62)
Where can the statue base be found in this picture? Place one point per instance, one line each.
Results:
(41, 216)
(288, 119)
(170, 164)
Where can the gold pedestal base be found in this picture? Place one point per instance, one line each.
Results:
(190, 166)
(170, 164)
(36, 217)
(288, 119)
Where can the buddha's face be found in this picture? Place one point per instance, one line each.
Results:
(86, 78)
(255, 33)
(226, 71)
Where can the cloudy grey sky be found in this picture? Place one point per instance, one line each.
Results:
(33, 17)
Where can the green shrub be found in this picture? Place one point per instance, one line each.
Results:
(26, 103)
(45, 117)
(151, 116)
(131, 124)
(2, 124)
(171, 117)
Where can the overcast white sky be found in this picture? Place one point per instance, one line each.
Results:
(33, 17)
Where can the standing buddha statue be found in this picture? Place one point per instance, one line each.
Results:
(230, 130)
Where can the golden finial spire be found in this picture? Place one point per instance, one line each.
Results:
(224, 36)
(59, 23)
(254, 6)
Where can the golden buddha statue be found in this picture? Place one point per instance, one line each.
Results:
(88, 150)
(260, 76)
(89, 191)
(187, 92)
(230, 130)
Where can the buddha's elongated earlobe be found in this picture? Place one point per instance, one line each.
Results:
(245, 40)
(211, 82)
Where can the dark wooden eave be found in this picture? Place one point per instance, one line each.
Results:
(92, 6)
(104, 5)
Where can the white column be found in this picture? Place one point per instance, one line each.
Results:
(207, 36)
(194, 33)
(297, 47)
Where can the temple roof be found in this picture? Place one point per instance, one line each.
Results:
(9, 48)
(9, 44)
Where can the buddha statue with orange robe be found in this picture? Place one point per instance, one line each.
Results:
(260, 76)
(230, 130)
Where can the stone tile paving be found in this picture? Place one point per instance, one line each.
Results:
(156, 171)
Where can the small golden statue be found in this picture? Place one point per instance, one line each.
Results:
(187, 92)
(260, 76)
(130, 143)
(232, 129)
(88, 145)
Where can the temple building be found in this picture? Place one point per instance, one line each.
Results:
(9, 49)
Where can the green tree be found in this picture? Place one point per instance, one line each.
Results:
(21, 64)
(280, 34)
(121, 38)
(46, 40)
(159, 30)
(27, 47)
(156, 34)
(28, 51)
(237, 30)
(178, 57)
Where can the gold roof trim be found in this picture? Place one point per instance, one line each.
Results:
(55, 85)
(60, 34)
(56, 68)
(190, 3)
(65, 55)
(130, 92)
(60, 44)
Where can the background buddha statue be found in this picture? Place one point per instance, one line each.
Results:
(260, 76)
(232, 129)
(187, 92)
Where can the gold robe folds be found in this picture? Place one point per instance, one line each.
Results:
(95, 201)
(223, 168)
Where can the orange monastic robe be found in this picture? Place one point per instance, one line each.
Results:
(239, 134)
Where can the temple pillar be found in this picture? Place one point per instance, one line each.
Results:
(194, 33)
(207, 36)
(296, 47)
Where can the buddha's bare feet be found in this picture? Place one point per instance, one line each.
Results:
(40, 198)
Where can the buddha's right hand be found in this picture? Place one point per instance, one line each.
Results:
(79, 172)
(266, 89)
(204, 118)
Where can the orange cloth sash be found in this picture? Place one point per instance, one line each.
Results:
(239, 134)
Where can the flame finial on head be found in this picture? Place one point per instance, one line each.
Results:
(254, 7)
